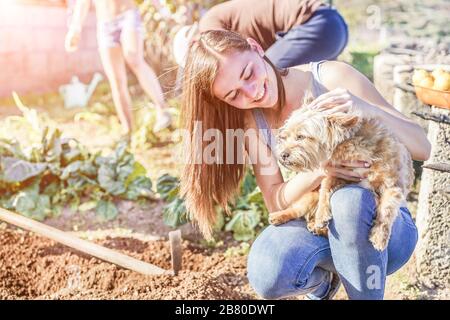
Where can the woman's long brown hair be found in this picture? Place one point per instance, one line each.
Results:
(204, 186)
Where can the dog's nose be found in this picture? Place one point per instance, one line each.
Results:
(284, 155)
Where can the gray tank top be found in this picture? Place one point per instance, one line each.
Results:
(317, 89)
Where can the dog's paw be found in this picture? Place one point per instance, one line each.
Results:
(323, 231)
(379, 236)
(310, 226)
(320, 224)
(323, 215)
(277, 219)
(318, 230)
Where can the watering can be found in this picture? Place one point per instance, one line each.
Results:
(76, 93)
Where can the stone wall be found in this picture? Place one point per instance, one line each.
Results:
(433, 212)
(433, 208)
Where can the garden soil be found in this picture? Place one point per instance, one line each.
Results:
(33, 267)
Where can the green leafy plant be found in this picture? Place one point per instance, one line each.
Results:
(248, 212)
(44, 172)
(174, 213)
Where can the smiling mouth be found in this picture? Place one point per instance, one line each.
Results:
(262, 94)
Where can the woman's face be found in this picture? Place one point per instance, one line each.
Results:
(245, 80)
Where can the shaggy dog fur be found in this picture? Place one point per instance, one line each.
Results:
(309, 137)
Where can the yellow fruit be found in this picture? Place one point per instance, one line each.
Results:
(442, 82)
(418, 75)
(426, 82)
(437, 72)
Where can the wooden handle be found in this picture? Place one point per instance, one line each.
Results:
(80, 244)
(176, 250)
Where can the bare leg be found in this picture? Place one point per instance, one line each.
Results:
(114, 66)
(133, 51)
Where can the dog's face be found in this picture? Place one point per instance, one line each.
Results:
(309, 137)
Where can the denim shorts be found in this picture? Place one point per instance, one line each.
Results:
(109, 32)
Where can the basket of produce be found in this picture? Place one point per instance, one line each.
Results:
(432, 86)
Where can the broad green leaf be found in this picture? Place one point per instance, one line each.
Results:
(17, 170)
(107, 210)
(256, 196)
(120, 150)
(124, 170)
(175, 214)
(138, 171)
(88, 168)
(25, 202)
(52, 189)
(140, 187)
(70, 169)
(108, 180)
(248, 184)
(167, 186)
(32, 204)
(100, 161)
(79, 167)
(243, 224)
(220, 222)
(7, 203)
(43, 208)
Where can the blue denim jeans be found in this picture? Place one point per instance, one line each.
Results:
(323, 37)
(289, 260)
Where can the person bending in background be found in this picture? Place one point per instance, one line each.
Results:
(120, 42)
(291, 32)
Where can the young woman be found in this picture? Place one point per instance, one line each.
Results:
(229, 84)
(120, 42)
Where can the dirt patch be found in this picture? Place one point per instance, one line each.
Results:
(146, 218)
(32, 267)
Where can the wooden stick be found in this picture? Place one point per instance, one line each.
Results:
(443, 167)
(176, 250)
(80, 244)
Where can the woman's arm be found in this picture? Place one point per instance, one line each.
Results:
(73, 35)
(341, 75)
(80, 13)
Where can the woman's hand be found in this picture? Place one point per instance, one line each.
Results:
(341, 100)
(354, 171)
(72, 40)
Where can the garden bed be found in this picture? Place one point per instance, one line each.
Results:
(32, 267)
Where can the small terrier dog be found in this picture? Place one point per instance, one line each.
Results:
(310, 137)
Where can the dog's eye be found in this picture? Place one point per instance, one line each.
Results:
(300, 137)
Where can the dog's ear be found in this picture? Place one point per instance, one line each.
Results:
(343, 120)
